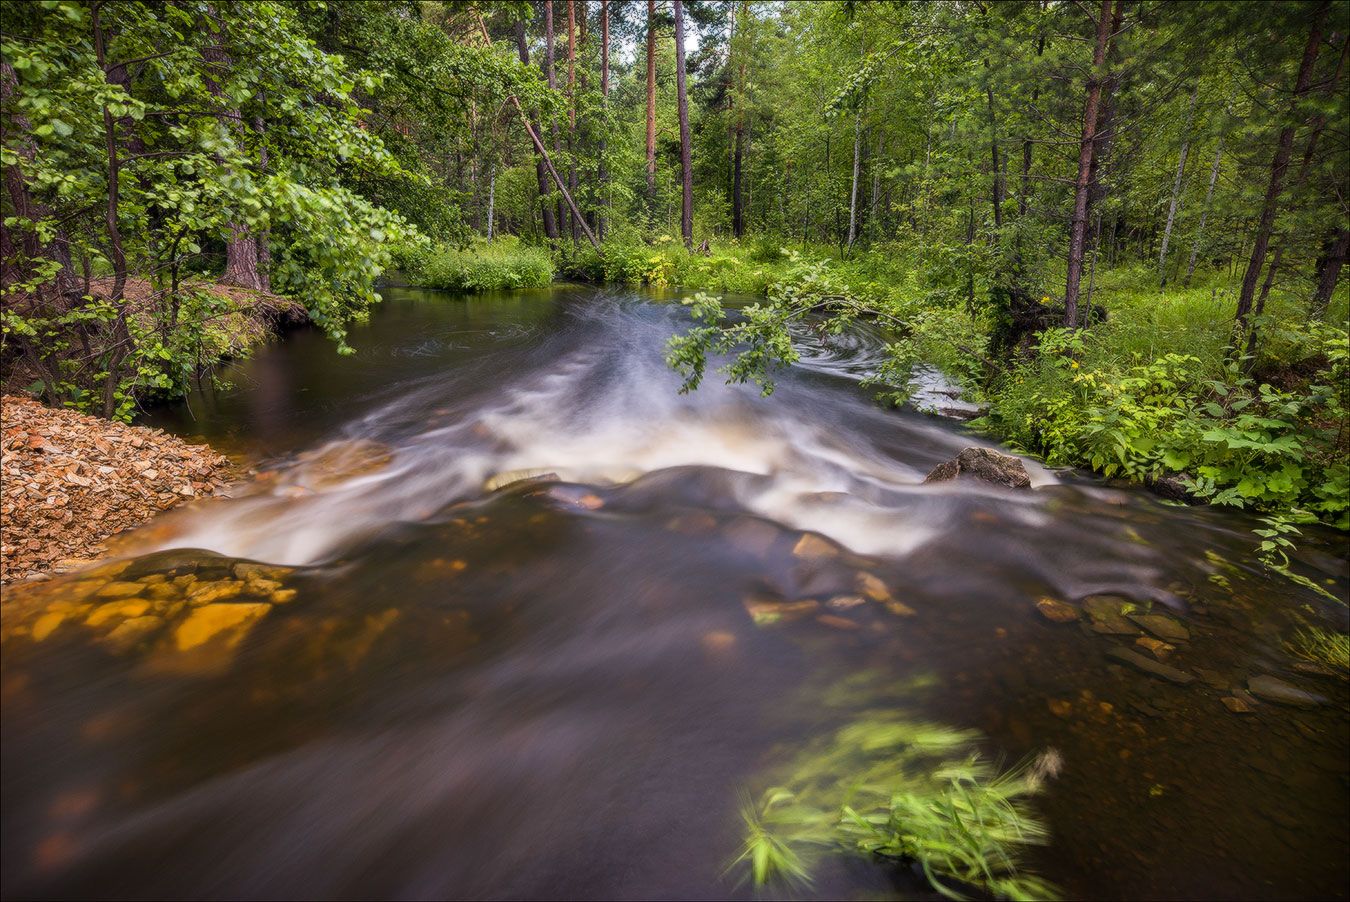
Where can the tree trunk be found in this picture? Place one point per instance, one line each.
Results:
(997, 188)
(682, 100)
(492, 198)
(1176, 186)
(651, 106)
(853, 191)
(1083, 185)
(572, 105)
(551, 73)
(539, 148)
(1278, 166)
(737, 207)
(1328, 270)
(1204, 211)
(550, 224)
(604, 102)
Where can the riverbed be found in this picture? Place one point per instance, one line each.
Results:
(505, 615)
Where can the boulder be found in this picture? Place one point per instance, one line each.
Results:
(985, 464)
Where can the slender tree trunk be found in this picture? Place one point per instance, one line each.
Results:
(539, 148)
(682, 99)
(1278, 166)
(853, 191)
(551, 73)
(1329, 270)
(572, 105)
(737, 207)
(1176, 186)
(997, 187)
(492, 198)
(550, 224)
(1204, 211)
(264, 236)
(651, 106)
(1083, 186)
(604, 124)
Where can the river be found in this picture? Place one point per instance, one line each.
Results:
(523, 621)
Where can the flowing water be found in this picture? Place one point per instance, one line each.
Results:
(522, 621)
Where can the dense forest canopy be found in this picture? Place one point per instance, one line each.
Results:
(984, 167)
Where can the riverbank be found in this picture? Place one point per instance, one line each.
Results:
(70, 482)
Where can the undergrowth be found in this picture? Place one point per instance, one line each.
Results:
(481, 266)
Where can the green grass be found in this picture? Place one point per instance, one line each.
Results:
(482, 266)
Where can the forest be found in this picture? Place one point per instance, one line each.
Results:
(469, 295)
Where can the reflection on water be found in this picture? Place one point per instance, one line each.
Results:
(398, 683)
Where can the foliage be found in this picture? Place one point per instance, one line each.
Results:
(482, 266)
(882, 783)
(1324, 647)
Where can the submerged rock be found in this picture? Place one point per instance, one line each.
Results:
(1236, 705)
(1149, 666)
(1278, 691)
(984, 464)
(1057, 611)
(1163, 627)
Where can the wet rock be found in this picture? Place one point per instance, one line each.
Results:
(813, 546)
(1149, 666)
(130, 632)
(1163, 627)
(872, 586)
(767, 610)
(1057, 611)
(899, 608)
(120, 590)
(1145, 709)
(753, 536)
(1156, 647)
(163, 592)
(281, 596)
(839, 623)
(514, 477)
(984, 464)
(1172, 486)
(1315, 669)
(104, 613)
(209, 592)
(47, 624)
(1236, 705)
(228, 623)
(248, 570)
(844, 602)
(1276, 690)
(263, 586)
(1211, 678)
(692, 524)
(1105, 612)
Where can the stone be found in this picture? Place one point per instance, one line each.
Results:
(753, 536)
(765, 611)
(1276, 690)
(46, 624)
(1212, 679)
(1149, 666)
(984, 464)
(1057, 611)
(844, 602)
(281, 596)
(210, 592)
(872, 586)
(263, 586)
(899, 608)
(692, 524)
(813, 546)
(130, 632)
(839, 623)
(1156, 647)
(513, 477)
(120, 590)
(127, 608)
(1104, 610)
(1163, 627)
(251, 571)
(1236, 705)
(163, 591)
(228, 622)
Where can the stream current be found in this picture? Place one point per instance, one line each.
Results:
(505, 615)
